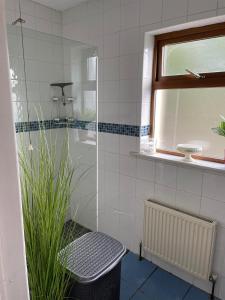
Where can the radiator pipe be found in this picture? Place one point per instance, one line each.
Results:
(213, 279)
(140, 251)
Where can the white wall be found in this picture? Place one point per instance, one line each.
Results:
(13, 278)
(118, 28)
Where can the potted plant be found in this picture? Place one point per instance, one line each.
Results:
(46, 191)
(220, 129)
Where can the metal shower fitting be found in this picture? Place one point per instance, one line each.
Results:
(19, 20)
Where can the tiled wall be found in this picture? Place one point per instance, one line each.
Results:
(48, 59)
(44, 56)
(37, 16)
(117, 27)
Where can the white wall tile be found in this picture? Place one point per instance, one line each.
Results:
(145, 108)
(111, 91)
(127, 194)
(111, 162)
(42, 12)
(221, 3)
(109, 223)
(28, 7)
(202, 16)
(146, 170)
(128, 144)
(127, 228)
(144, 191)
(95, 7)
(166, 174)
(220, 238)
(128, 113)
(43, 25)
(56, 16)
(111, 45)
(197, 6)
(165, 194)
(128, 90)
(188, 201)
(110, 112)
(10, 16)
(128, 165)
(12, 5)
(129, 41)
(151, 11)
(173, 22)
(189, 180)
(111, 143)
(174, 9)
(129, 66)
(95, 24)
(213, 209)
(130, 15)
(214, 186)
(220, 11)
(33, 23)
(111, 68)
(219, 261)
(111, 190)
(19, 111)
(111, 20)
(109, 4)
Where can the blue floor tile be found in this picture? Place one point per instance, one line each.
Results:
(140, 296)
(164, 286)
(135, 272)
(196, 294)
(126, 290)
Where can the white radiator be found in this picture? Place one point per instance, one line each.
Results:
(179, 238)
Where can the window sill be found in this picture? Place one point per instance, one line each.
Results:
(176, 160)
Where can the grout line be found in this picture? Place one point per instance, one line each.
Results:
(188, 290)
(139, 288)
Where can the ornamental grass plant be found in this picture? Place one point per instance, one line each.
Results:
(46, 185)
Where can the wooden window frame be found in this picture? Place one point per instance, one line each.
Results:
(213, 79)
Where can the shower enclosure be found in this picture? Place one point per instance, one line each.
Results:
(54, 81)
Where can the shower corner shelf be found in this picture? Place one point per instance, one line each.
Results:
(63, 121)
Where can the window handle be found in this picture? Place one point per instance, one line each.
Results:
(195, 75)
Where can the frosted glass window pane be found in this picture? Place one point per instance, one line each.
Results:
(188, 116)
(202, 56)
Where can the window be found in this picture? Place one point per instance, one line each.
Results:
(188, 90)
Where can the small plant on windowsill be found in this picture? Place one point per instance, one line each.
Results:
(220, 129)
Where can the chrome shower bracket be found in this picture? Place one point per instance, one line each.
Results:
(19, 20)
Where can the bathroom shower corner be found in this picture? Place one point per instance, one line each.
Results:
(54, 87)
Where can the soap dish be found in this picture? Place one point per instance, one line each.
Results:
(188, 150)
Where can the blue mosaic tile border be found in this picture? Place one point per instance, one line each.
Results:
(38, 125)
(121, 129)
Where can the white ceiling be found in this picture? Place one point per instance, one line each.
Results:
(60, 4)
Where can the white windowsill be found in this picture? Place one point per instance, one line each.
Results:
(198, 164)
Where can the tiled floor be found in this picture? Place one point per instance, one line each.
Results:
(142, 280)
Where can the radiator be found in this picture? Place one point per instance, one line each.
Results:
(182, 239)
